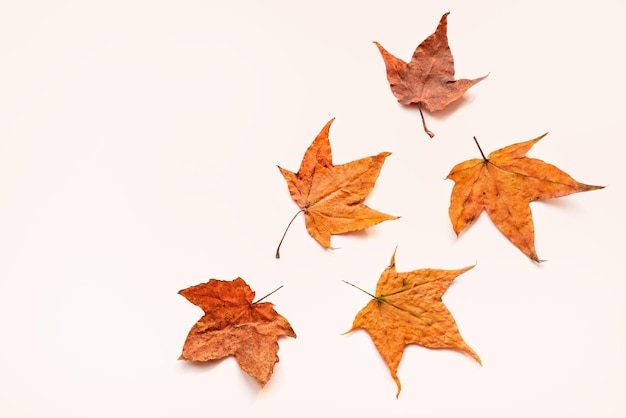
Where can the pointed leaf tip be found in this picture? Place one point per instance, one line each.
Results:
(392, 263)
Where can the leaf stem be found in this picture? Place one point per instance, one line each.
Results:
(430, 134)
(364, 291)
(480, 149)
(285, 233)
(273, 291)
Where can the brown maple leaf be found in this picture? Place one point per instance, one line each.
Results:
(428, 79)
(407, 309)
(503, 184)
(233, 325)
(331, 196)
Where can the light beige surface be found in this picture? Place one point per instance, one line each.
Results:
(138, 149)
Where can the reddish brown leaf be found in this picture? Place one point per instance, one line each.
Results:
(407, 309)
(503, 184)
(428, 79)
(233, 325)
(331, 196)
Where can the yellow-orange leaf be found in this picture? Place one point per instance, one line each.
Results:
(503, 184)
(331, 196)
(233, 325)
(407, 309)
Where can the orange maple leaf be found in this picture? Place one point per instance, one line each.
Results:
(331, 196)
(407, 309)
(503, 184)
(428, 79)
(234, 326)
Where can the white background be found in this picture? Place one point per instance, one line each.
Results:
(138, 150)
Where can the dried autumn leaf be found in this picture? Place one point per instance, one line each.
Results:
(407, 309)
(428, 79)
(503, 184)
(233, 325)
(331, 196)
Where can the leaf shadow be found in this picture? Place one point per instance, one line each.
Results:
(198, 366)
(348, 236)
(445, 113)
(562, 204)
(205, 366)
(356, 234)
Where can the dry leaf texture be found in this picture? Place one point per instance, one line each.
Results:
(407, 309)
(332, 196)
(235, 326)
(503, 184)
(428, 79)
